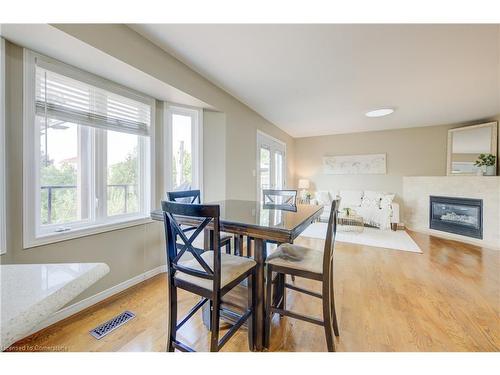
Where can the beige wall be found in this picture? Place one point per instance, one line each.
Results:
(410, 152)
(214, 162)
(229, 150)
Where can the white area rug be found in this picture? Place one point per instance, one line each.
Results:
(388, 239)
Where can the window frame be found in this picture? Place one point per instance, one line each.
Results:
(196, 140)
(3, 154)
(98, 220)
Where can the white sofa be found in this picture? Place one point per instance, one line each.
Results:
(377, 208)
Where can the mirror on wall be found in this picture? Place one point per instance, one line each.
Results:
(466, 144)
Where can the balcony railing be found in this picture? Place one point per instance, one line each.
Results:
(51, 189)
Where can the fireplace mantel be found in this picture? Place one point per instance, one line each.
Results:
(417, 190)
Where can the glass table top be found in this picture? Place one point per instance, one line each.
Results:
(253, 213)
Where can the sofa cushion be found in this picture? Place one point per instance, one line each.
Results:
(333, 194)
(350, 198)
(371, 199)
(376, 217)
(323, 197)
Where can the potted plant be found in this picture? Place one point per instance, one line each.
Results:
(487, 163)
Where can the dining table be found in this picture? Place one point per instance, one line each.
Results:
(263, 224)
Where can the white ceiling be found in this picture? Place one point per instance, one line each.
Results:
(321, 79)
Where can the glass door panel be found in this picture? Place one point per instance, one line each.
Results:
(279, 181)
(271, 164)
(264, 169)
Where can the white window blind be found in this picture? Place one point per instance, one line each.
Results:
(63, 98)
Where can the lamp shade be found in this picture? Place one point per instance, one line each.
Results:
(303, 183)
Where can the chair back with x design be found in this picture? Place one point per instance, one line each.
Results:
(185, 196)
(186, 274)
(280, 198)
(199, 217)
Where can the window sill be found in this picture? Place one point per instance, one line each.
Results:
(84, 232)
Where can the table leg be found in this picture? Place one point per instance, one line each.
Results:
(238, 244)
(208, 238)
(260, 254)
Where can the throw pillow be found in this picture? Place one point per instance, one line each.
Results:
(371, 199)
(323, 197)
(350, 198)
(387, 201)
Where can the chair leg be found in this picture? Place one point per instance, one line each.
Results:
(172, 295)
(237, 250)
(251, 323)
(327, 319)
(214, 325)
(249, 247)
(268, 313)
(334, 314)
(239, 238)
(292, 276)
(283, 291)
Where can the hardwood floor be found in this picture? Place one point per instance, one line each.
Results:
(446, 299)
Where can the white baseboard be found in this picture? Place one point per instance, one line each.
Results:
(90, 301)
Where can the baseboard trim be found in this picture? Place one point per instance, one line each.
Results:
(70, 310)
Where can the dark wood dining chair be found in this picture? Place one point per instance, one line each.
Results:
(273, 199)
(314, 265)
(210, 274)
(287, 199)
(194, 196)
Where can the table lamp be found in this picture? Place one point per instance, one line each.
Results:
(304, 185)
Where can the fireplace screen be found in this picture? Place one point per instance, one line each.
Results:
(457, 215)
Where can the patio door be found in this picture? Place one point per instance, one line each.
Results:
(271, 163)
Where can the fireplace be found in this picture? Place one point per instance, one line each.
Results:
(462, 216)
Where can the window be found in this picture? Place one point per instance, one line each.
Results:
(88, 147)
(183, 148)
(3, 231)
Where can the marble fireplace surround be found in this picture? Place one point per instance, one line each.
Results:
(416, 192)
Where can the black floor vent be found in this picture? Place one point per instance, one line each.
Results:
(112, 324)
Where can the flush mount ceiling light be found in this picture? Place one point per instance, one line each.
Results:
(379, 112)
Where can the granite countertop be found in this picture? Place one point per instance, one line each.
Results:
(30, 293)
